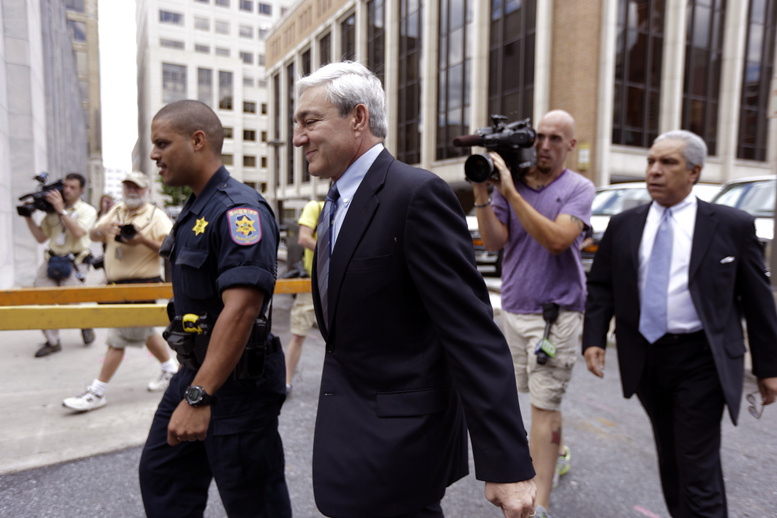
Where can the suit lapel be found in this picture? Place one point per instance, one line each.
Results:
(704, 231)
(636, 229)
(360, 212)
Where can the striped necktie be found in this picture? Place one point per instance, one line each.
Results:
(653, 313)
(324, 248)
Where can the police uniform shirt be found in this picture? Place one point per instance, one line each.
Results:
(225, 237)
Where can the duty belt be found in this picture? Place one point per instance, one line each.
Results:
(189, 335)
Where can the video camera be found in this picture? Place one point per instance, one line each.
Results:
(514, 142)
(39, 201)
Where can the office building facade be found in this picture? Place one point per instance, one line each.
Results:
(626, 69)
(212, 51)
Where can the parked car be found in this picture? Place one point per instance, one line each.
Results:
(756, 196)
(614, 199)
(483, 256)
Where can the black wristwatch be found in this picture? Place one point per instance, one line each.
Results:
(196, 396)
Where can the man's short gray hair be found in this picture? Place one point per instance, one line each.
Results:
(695, 151)
(348, 84)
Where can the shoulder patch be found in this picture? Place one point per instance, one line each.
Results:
(245, 227)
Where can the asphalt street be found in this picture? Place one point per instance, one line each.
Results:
(613, 471)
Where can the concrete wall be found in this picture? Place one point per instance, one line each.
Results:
(38, 99)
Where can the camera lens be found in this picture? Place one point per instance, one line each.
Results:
(478, 168)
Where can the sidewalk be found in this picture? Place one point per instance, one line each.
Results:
(38, 430)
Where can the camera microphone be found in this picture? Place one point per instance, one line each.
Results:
(468, 140)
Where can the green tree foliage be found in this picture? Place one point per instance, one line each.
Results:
(176, 195)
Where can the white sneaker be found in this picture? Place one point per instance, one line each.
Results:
(161, 382)
(85, 402)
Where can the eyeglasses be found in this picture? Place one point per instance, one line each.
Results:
(755, 404)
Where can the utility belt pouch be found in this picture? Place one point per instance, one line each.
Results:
(59, 266)
(251, 363)
(190, 347)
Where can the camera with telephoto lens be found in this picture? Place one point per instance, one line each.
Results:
(38, 201)
(126, 233)
(514, 142)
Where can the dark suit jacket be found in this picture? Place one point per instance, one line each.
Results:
(412, 349)
(726, 281)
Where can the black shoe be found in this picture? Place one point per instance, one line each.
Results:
(88, 336)
(48, 349)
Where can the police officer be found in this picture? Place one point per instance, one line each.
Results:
(214, 421)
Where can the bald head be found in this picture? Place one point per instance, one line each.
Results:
(562, 119)
(187, 117)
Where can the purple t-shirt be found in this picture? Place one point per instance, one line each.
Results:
(532, 276)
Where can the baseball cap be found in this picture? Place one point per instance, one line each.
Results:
(138, 178)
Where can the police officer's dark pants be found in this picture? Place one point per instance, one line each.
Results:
(681, 393)
(242, 451)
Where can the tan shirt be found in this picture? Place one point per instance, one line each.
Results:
(123, 261)
(61, 241)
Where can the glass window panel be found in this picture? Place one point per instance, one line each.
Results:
(456, 49)
(226, 90)
(78, 30)
(205, 86)
(173, 82)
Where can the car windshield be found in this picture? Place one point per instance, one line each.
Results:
(755, 198)
(614, 201)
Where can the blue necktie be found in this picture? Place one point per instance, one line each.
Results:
(652, 318)
(324, 248)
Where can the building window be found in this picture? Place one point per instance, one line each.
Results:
(348, 39)
(264, 136)
(265, 9)
(75, 5)
(205, 86)
(376, 37)
(262, 83)
(202, 49)
(203, 1)
(260, 60)
(222, 3)
(201, 24)
(453, 66)
(248, 81)
(228, 132)
(225, 90)
(227, 159)
(638, 72)
(247, 57)
(511, 59)
(222, 51)
(171, 44)
(170, 17)
(249, 135)
(173, 82)
(703, 55)
(759, 68)
(263, 33)
(290, 111)
(246, 31)
(77, 30)
(264, 163)
(409, 84)
(249, 161)
(82, 63)
(247, 5)
(325, 49)
(221, 27)
(249, 107)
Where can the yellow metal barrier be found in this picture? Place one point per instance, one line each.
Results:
(31, 308)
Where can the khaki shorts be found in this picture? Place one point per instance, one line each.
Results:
(546, 384)
(121, 337)
(303, 315)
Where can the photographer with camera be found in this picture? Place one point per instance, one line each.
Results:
(539, 218)
(66, 226)
(133, 232)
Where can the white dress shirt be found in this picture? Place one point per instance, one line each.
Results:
(681, 313)
(348, 184)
